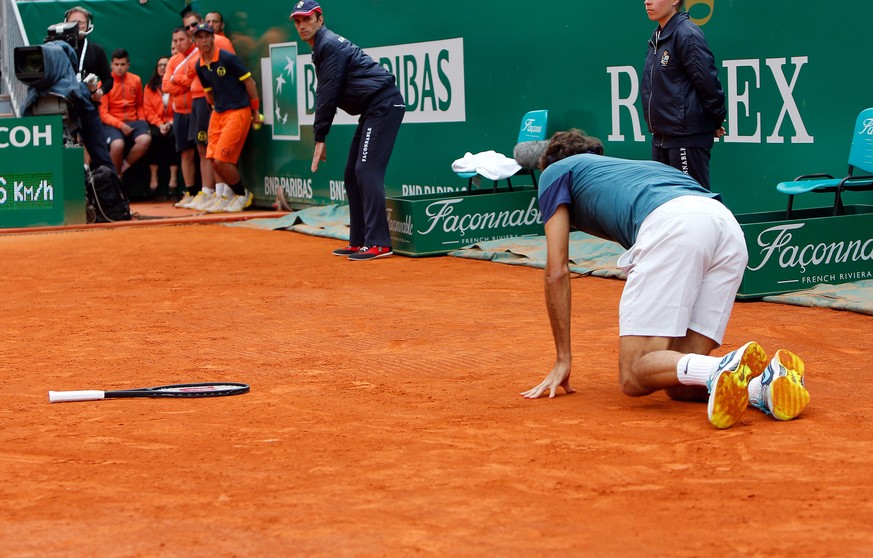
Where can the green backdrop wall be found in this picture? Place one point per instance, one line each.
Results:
(794, 81)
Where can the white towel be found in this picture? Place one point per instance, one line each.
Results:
(490, 164)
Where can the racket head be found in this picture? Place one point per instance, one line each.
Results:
(202, 389)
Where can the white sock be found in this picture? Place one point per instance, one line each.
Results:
(208, 191)
(756, 390)
(695, 370)
(222, 189)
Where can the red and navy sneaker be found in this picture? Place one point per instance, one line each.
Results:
(371, 252)
(347, 251)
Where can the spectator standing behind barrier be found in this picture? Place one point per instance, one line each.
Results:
(159, 114)
(90, 56)
(683, 101)
(684, 263)
(231, 90)
(349, 79)
(123, 116)
(216, 21)
(177, 82)
(213, 186)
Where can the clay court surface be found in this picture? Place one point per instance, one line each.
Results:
(384, 417)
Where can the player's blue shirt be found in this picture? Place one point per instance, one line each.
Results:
(608, 197)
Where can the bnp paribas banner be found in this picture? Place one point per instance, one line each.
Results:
(430, 77)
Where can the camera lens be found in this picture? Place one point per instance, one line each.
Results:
(32, 62)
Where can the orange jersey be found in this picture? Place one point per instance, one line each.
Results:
(178, 80)
(221, 42)
(156, 113)
(124, 101)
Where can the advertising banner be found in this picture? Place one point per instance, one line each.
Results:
(42, 182)
(468, 77)
(815, 247)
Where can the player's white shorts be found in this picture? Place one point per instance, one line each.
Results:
(684, 271)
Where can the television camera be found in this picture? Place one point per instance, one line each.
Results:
(54, 87)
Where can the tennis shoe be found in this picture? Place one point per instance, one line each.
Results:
(220, 205)
(784, 393)
(371, 253)
(729, 385)
(186, 199)
(250, 198)
(347, 251)
(201, 200)
(237, 203)
(214, 200)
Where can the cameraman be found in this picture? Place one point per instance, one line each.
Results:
(91, 58)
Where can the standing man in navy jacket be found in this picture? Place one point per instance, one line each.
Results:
(683, 101)
(349, 79)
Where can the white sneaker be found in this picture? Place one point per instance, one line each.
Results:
(202, 201)
(220, 205)
(192, 203)
(213, 201)
(237, 204)
(186, 199)
(193, 200)
(250, 198)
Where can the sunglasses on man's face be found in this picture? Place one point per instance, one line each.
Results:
(192, 25)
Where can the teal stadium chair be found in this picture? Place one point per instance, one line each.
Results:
(531, 133)
(860, 158)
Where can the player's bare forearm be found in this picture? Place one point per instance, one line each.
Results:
(558, 303)
(557, 296)
(557, 280)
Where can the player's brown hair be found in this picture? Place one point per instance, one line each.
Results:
(571, 142)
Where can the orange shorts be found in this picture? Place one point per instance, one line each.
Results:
(227, 134)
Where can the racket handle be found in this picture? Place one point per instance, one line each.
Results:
(82, 395)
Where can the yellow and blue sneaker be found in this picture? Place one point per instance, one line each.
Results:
(729, 385)
(784, 394)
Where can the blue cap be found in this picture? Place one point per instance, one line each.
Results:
(305, 8)
(203, 26)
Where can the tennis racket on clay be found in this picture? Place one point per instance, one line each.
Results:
(207, 389)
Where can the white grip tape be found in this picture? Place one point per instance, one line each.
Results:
(82, 395)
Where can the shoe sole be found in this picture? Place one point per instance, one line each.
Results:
(371, 257)
(730, 396)
(788, 395)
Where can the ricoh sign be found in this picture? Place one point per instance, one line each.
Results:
(25, 136)
(795, 255)
(41, 180)
(19, 188)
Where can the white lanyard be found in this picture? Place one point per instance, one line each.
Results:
(184, 62)
(177, 68)
(82, 56)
